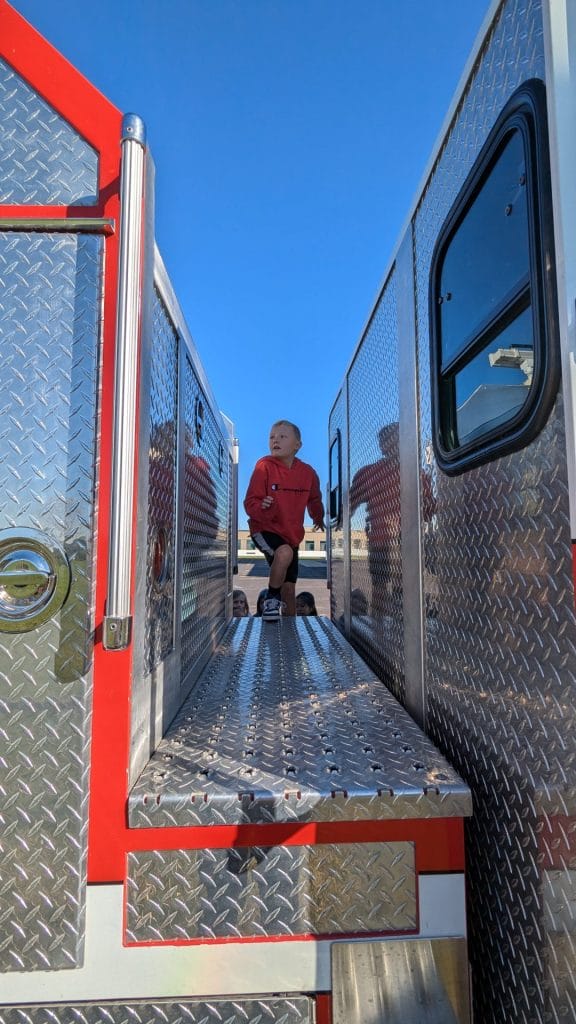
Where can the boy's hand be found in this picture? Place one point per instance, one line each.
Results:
(319, 526)
(267, 501)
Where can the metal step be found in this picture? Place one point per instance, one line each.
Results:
(412, 981)
(288, 724)
(299, 1010)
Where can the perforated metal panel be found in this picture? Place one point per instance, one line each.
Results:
(287, 723)
(276, 891)
(49, 331)
(161, 567)
(205, 487)
(376, 562)
(43, 160)
(501, 634)
(298, 1010)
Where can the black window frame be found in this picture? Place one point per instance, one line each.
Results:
(335, 489)
(525, 112)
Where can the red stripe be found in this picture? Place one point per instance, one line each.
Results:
(64, 88)
(112, 669)
(439, 842)
(324, 1008)
(258, 940)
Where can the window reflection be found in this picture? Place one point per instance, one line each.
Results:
(488, 258)
(335, 481)
(493, 387)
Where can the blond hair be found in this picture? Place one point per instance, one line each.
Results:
(287, 423)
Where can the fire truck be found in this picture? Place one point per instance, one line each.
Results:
(206, 818)
(203, 819)
(453, 497)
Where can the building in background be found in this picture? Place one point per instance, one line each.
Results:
(314, 542)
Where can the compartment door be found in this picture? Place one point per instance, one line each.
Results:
(50, 314)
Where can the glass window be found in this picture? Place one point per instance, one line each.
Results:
(495, 384)
(494, 361)
(488, 259)
(250, 545)
(308, 545)
(322, 545)
(336, 480)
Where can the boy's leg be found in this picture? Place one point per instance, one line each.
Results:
(282, 558)
(289, 598)
(289, 585)
(272, 609)
(283, 562)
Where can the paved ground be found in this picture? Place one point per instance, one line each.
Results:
(253, 575)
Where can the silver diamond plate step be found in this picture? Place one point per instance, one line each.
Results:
(287, 723)
(299, 1010)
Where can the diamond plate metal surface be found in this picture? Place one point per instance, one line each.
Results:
(287, 723)
(376, 554)
(43, 160)
(277, 891)
(49, 330)
(501, 631)
(159, 630)
(205, 522)
(299, 1010)
(337, 570)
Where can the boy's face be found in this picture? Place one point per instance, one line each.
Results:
(283, 442)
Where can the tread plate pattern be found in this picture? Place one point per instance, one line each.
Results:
(205, 522)
(43, 160)
(500, 647)
(159, 631)
(287, 723)
(49, 330)
(298, 1010)
(280, 891)
(376, 551)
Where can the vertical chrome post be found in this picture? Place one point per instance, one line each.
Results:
(118, 618)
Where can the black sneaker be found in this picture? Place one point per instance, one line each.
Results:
(272, 609)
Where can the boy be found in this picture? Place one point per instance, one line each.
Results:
(280, 491)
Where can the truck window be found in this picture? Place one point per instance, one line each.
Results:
(492, 290)
(336, 480)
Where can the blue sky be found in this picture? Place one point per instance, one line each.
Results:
(289, 138)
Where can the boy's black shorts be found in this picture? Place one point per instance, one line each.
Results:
(267, 543)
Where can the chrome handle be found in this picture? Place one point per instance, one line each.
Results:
(23, 580)
(118, 619)
(34, 579)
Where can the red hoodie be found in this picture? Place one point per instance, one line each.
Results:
(294, 490)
